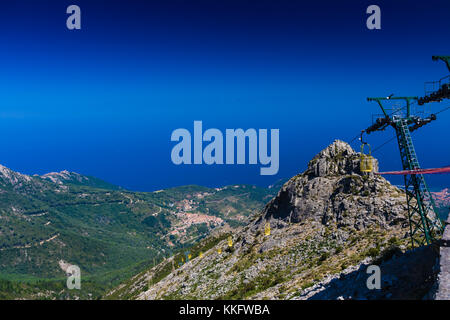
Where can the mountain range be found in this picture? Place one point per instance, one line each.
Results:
(57, 219)
(325, 221)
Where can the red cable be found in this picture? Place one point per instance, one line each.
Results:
(418, 171)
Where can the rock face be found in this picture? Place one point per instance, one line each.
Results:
(337, 159)
(408, 275)
(323, 221)
(333, 190)
(22, 183)
(64, 176)
(443, 280)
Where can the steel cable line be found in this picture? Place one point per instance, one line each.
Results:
(383, 144)
(417, 171)
(445, 109)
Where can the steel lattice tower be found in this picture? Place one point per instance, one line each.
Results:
(425, 224)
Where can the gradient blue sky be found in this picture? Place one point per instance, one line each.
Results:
(104, 100)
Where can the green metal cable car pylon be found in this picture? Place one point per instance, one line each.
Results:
(425, 224)
(446, 60)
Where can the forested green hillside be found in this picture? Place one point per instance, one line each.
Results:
(110, 233)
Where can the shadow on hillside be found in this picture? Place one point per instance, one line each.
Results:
(409, 275)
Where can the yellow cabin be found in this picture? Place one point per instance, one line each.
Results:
(366, 163)
(267, 229)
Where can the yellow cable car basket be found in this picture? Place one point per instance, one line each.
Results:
(267, 229)
(230, 241)
(366, 163)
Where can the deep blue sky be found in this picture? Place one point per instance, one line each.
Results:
(104, 100)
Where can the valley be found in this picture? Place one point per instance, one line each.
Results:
(109, 232)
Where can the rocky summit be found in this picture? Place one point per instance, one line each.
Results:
(334, 191)
(326, 224)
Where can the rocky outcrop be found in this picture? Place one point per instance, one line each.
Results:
(21, 183)
(12, 178)
(328, 220)
(64, 176)
(333, 190)
(339, 158)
